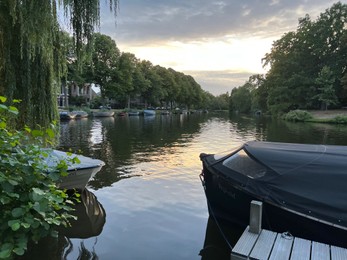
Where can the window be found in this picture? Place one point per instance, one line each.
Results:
(242, 163)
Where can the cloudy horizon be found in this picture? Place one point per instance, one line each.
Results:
(219, 43)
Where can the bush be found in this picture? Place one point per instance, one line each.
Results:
(340, 119)
(31, 204)
(297, 116)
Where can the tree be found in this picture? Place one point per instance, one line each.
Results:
(325, 85)
(240, 98)
(298, 57)
(104, 63)
(30, 51)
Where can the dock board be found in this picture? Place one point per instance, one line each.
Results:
(271, 245)
(257, 243)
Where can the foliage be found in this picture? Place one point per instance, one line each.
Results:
(31, 203)
(325, 84)
(32, 53)
(339, 119)
(307, 66)
(122, 76)
(240, 98)
(297, 116)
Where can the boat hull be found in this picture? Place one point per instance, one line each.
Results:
(80, 168)
(228, 202)
(148, 112)
(103, 114)
(78, 179)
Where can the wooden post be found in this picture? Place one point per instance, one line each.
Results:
(255, 217)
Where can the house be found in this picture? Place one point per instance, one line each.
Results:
(86, 92)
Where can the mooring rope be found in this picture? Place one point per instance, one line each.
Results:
(212, 213)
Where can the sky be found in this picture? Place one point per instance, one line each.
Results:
(218, 42)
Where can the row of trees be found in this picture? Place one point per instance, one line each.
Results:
(32, 60)
(308, 68)
(121, 76)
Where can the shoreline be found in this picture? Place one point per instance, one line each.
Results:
(328, 114)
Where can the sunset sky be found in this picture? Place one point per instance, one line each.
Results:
(220, 43)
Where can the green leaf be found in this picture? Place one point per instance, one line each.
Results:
(36, 133)
(13, 110)
(3, 99)
(3, 124)
(5, 200)
(25, 225)
(38, 191)
(27, 129)
(13, 182)
(50, 133)
(14, 224)
(17, 212)
(19, 251)
(5, 250)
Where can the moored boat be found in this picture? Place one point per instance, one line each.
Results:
(133, 113)
(65, 115)
(123, 113)
(149, 112)
(103, 113)
(79, 173)
(165, 112)
(80, 114)
(302, 187)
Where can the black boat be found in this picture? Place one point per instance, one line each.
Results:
(303, 188)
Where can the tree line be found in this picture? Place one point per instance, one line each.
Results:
(308, 68)
(36, 57)
(121, 77)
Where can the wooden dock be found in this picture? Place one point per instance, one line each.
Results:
(257, 243)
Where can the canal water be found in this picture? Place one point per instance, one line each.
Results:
(147, 202)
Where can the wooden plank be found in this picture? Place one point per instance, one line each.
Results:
(320, 251)
(245, 244)
(301, 249)
(338, 253)
(282, 247)
(263, 246)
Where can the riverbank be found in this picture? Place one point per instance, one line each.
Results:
(328, 114)
(336, 116)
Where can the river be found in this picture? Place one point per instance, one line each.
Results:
(152, 202)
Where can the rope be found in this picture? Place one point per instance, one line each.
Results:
(212, 213)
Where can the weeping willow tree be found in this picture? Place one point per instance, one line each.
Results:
(32, 56)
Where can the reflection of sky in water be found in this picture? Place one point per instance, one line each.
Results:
(96, 135)
(160, 212)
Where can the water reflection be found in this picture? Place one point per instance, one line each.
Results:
(124, 141)
(158, 210)
(91, 218)
(219, 240)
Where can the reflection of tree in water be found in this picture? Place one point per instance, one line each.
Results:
(84, 253)
(276, 130)
(127, 141)
(91, 217)
(219, 239)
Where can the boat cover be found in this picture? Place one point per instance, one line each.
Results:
(307, 178)
(54, 156)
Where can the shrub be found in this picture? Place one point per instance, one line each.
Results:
(31, 204)
(340, 119)
(297, 116)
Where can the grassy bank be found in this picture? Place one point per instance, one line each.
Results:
(338, 116)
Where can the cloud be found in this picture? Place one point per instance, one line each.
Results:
(219, 82)
(181, 20)
(206, 35)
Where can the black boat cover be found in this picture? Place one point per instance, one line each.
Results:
(307, 178)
